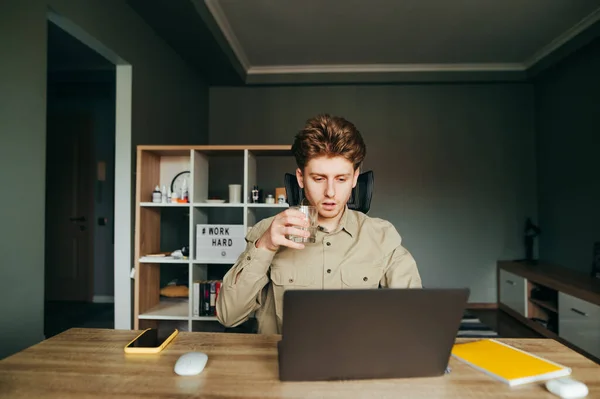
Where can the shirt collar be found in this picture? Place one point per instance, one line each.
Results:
(348, 222)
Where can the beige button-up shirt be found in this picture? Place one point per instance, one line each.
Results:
(363, 252)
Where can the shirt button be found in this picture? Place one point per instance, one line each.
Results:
(328, 243)
(248, 258)
(365, 278)
(291, 280)
(328, 270)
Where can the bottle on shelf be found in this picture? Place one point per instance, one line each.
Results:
(164, 194)
(184, 191)
(156, 195)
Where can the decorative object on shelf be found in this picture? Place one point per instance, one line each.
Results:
(531, 231)
(177, 182)
(235, 193)
(175, 289)
(596, 261)
(182, 253)
(280, 195)
(255, 194)
(179, 186)
(270, 199)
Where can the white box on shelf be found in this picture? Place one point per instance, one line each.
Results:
(219, 241)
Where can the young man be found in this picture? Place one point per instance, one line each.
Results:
(352, 250)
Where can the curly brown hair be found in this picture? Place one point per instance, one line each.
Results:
(326, 135)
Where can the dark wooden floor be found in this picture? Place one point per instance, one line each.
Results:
(503, 324)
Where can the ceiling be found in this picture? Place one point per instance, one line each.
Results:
(358, 41)
(188, 30)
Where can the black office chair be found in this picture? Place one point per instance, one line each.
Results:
(360, 199)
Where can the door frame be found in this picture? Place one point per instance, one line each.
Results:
(123, 169)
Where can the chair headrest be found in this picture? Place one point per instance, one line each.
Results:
(360, 198)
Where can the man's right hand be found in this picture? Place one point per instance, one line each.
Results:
(284, 223)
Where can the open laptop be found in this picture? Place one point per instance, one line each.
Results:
(365, 334)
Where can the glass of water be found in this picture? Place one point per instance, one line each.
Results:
(312, 216)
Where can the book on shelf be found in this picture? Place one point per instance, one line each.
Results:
(205, 293)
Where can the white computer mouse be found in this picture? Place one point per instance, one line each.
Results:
(567, 388)
(191, 363)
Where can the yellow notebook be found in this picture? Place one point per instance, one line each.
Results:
(506, 363)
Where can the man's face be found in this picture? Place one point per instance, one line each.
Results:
(328, 183)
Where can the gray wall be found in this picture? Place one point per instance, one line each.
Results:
(170, 105)
(567, 107)
(454, 165)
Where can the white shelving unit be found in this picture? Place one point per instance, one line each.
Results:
(159, 227)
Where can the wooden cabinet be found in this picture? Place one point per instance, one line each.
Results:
(554, 301)
(165, 227)
(579, 323)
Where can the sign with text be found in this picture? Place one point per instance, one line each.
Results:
(219, 241)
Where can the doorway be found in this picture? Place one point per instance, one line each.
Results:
(80, 183)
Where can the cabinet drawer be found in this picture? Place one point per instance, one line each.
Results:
(579, 323)
(513, 292)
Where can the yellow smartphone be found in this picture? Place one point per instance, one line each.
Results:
(148, 341)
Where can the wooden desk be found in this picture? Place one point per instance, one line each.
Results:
(91, 363)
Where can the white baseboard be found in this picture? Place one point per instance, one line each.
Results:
(103, 299)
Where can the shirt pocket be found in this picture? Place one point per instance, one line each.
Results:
(292, 277)
(361, 277)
